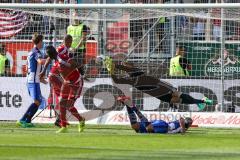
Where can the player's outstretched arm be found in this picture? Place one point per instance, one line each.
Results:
(122, 80)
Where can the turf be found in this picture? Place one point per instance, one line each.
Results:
(116, 142)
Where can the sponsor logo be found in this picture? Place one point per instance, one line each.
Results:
(216, 120)
(230, 67)
(202, 48)
(9, 100)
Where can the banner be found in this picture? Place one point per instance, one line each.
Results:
(98, 100)
(200, 119)
(118, 37)
(206, 59)
(17, 54)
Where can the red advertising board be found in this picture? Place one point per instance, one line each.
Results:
(17, 54)
(118, 38)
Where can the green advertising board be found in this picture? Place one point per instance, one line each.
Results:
(206, 59)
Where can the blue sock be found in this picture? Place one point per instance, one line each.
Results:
(32, 109)
(32, 112)
(140, 116)
(24, 117)
(131, 115)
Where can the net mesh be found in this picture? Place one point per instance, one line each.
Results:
(135, 13)
(147, 38)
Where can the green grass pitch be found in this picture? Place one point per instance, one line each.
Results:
(99, 142)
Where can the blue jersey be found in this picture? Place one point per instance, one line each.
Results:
(160, 126)
(34, 68)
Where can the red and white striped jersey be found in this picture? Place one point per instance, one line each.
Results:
(63, 52)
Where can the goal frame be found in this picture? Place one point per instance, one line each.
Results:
(137, 6)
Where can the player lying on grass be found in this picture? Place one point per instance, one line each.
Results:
(156, 126)
(151, 85)
(55, 78)
(70, 89)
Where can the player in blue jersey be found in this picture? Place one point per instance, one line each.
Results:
(35, 60)
(156, 126)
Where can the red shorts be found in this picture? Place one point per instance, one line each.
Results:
(56, 83)
(71, 90)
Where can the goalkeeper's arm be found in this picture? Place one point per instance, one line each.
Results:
(122, 80)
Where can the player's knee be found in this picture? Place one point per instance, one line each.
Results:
(135, 127)
(71, 102)
(38, 102)
(63, 102)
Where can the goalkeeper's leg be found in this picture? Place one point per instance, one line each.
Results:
(187, 99)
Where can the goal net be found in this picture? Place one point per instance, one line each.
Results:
(146, 36)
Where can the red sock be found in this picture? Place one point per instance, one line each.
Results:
(57, 102)
(50, 100)
(63, 116)
(75, 113)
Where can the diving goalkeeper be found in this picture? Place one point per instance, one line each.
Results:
(151, 85)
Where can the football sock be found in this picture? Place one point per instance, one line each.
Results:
(140, 115)
(75, 113)
(187, 99)
(131, 115)
(24, 117)
(63, 116)
(32, 109)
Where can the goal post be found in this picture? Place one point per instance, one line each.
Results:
(147, 36)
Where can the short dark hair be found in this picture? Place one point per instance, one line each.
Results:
(188, 122)
(36, 38)
(180, 47)
(51, 52)
(67, 37)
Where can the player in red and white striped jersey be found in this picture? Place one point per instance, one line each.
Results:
(56, 79)
(71, 87)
